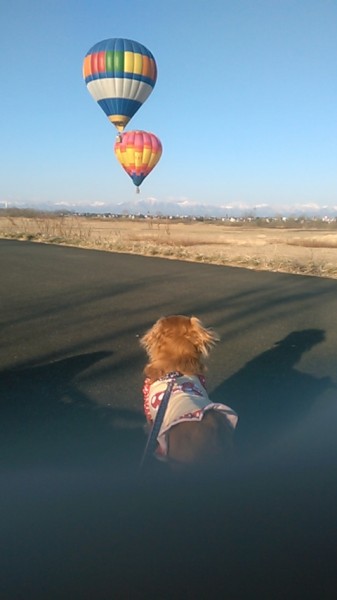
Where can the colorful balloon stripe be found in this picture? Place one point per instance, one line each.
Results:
(96, 67)
(105, 60)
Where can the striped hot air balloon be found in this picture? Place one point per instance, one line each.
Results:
(138, 152)
(120, 75)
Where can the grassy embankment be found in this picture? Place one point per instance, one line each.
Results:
(303, 247)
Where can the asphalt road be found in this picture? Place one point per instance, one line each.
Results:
(76, 520)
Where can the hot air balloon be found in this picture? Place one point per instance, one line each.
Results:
(120, 75)
(138, 152)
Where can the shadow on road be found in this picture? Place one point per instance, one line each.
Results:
(270, 394)
(47, 421)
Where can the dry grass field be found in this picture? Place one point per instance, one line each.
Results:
(302, 249)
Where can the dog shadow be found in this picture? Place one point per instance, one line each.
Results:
(47, 421)
(270, 394)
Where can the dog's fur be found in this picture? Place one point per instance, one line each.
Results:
(180, 343)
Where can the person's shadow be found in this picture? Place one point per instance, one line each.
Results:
(270, 395)
(48, 422)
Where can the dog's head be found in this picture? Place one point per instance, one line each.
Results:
(177, 343)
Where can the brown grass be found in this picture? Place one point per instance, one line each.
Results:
(315, 243)
(302, 251)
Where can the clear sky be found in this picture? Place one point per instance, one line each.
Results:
(245, 102)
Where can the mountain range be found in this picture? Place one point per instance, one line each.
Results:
(182, 208)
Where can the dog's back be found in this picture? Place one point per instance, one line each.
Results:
(207, 443)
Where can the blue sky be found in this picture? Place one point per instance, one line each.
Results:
(245, 102)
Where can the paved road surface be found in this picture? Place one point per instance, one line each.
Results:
(71, 428)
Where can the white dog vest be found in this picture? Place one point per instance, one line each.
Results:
(188, 402)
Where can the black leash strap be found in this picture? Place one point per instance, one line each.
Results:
(152, 439)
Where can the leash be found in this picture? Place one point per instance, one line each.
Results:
(152, 439)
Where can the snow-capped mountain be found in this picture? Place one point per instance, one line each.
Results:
(182, 208)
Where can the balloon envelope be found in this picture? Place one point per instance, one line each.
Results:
(138, 152)
(120, 74)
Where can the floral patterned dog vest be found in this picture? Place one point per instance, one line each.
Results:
(188, 402)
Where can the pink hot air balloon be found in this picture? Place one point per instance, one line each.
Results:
(138, 152)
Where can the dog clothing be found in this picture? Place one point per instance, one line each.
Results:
(188, 402)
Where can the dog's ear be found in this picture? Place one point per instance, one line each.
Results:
(202, 337)
(146, 340)
(151, 338)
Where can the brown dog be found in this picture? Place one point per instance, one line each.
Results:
(195, 432)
